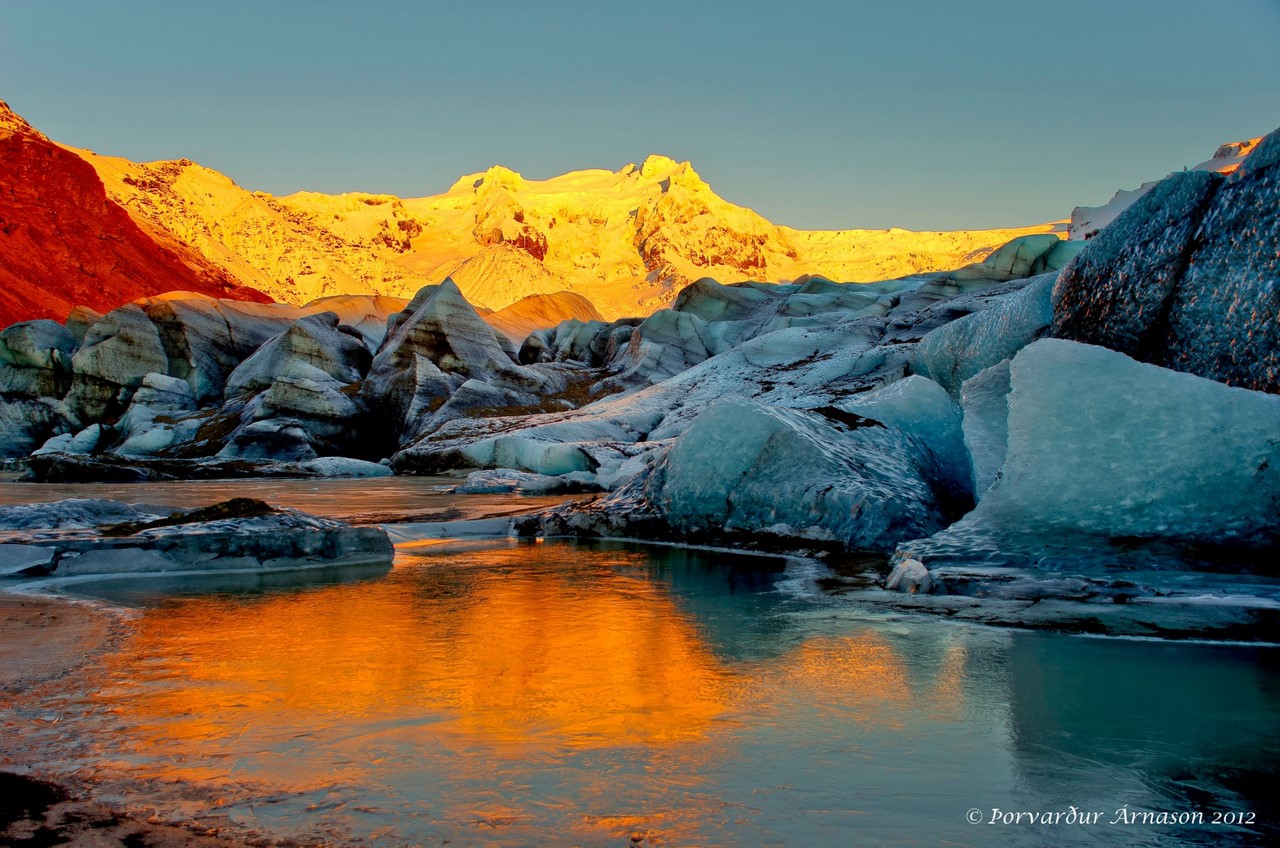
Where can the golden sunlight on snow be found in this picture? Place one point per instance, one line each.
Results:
(625, 240)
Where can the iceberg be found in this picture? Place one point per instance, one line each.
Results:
(1107, 454)
(744, 467)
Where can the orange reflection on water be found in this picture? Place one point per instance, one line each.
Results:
(946, 698)
(862, 676)
(506, 651)
(865, 678)
(478, 687)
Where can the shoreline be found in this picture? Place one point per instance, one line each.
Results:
(37, 812)
(43, 639)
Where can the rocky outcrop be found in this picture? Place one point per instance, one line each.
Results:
(91, 537)
(501, 275)
(1185, 277)
(283, 246)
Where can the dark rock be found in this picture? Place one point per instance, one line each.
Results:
(35, 359)
(1188, 277)
(25, 797)
(1117, 293)
(234, 508)
(277, 439)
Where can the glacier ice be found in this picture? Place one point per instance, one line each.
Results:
(26, 424)
(74, 513)
(1027, 256)
(1188, 277)
(746, 467)
(35, 359)
(73, 541)
(921, 407)
(313, 348)
(1105, 452)
(1225, 315)
(960, 349)
(1116, 291)
(505, 480)
(911, 576)
(984, 398)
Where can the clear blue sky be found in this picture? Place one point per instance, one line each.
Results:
(903, 113)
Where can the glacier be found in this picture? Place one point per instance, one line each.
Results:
(1027, 426)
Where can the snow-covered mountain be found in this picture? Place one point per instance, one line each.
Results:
(627, 240)
(1087, 220)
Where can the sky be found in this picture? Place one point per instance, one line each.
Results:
(820, 115)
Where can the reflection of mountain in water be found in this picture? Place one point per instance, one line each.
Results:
(555, 693)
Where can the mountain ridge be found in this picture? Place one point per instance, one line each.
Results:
(627, 240)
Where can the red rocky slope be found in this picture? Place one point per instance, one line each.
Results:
(63, 243)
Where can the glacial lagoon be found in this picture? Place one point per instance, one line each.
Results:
(504, 692)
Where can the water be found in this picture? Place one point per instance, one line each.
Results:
(525, 693)
(369, 501)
